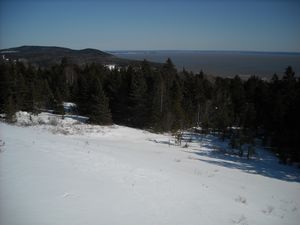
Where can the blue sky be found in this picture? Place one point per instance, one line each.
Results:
(267, 25)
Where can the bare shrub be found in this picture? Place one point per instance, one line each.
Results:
(53, 121)
(41, 121)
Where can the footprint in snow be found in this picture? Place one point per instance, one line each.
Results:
(65, 195)
(192, 158)
(197, 172)
(268, 210)
(241, 199)
(241, 220)
(288, 205)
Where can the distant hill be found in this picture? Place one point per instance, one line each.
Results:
(44, 56)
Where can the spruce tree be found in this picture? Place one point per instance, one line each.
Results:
(58, 103)
(137, 100)
(156, 108)
(82, 99)
(176, 106)
(99, 108)
(237, 97)
(10, 109)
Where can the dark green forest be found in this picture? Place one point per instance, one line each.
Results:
(163, 99)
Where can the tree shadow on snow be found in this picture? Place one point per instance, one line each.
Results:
(264, 163)
(211, 149)
(81, 119)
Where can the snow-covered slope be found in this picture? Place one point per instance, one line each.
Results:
(118, 175)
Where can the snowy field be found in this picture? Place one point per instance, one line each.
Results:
(63, 172)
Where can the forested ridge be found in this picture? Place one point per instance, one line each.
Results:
(163, 99)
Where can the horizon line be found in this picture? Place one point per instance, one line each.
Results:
(199, 50)
(166, 50)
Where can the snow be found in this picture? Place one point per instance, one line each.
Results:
(110, 66)
(120, 175)
(51, 121)
(9, 51)
(69, 106)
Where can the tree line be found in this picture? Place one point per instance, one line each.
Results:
(163, 99)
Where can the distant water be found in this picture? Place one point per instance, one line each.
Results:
(222, 63)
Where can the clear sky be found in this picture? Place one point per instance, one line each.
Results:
(266, 25)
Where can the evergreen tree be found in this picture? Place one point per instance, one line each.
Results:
(176, 106)
(21, 92)
(155, 100)
(99, 108)
(58, 103)
(238, 97)
(82, 99)
(6, 85)
(137, 100)
(47, 95)
(10, 109)
(222, 107)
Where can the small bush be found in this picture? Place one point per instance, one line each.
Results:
(40, 121)
(53, 121)
(186, 145)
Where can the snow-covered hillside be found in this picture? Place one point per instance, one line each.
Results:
(117, 175)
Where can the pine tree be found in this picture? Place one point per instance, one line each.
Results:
(237, 97)
(58, 103)
(169, 67)
(6, 85)
(82, 99)
(10, 109)
(176, 106)
(222, 107)
(112, 88)
(137, 100)
(21, 92)
(47, 95)
(99, 108)
(155, 101)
